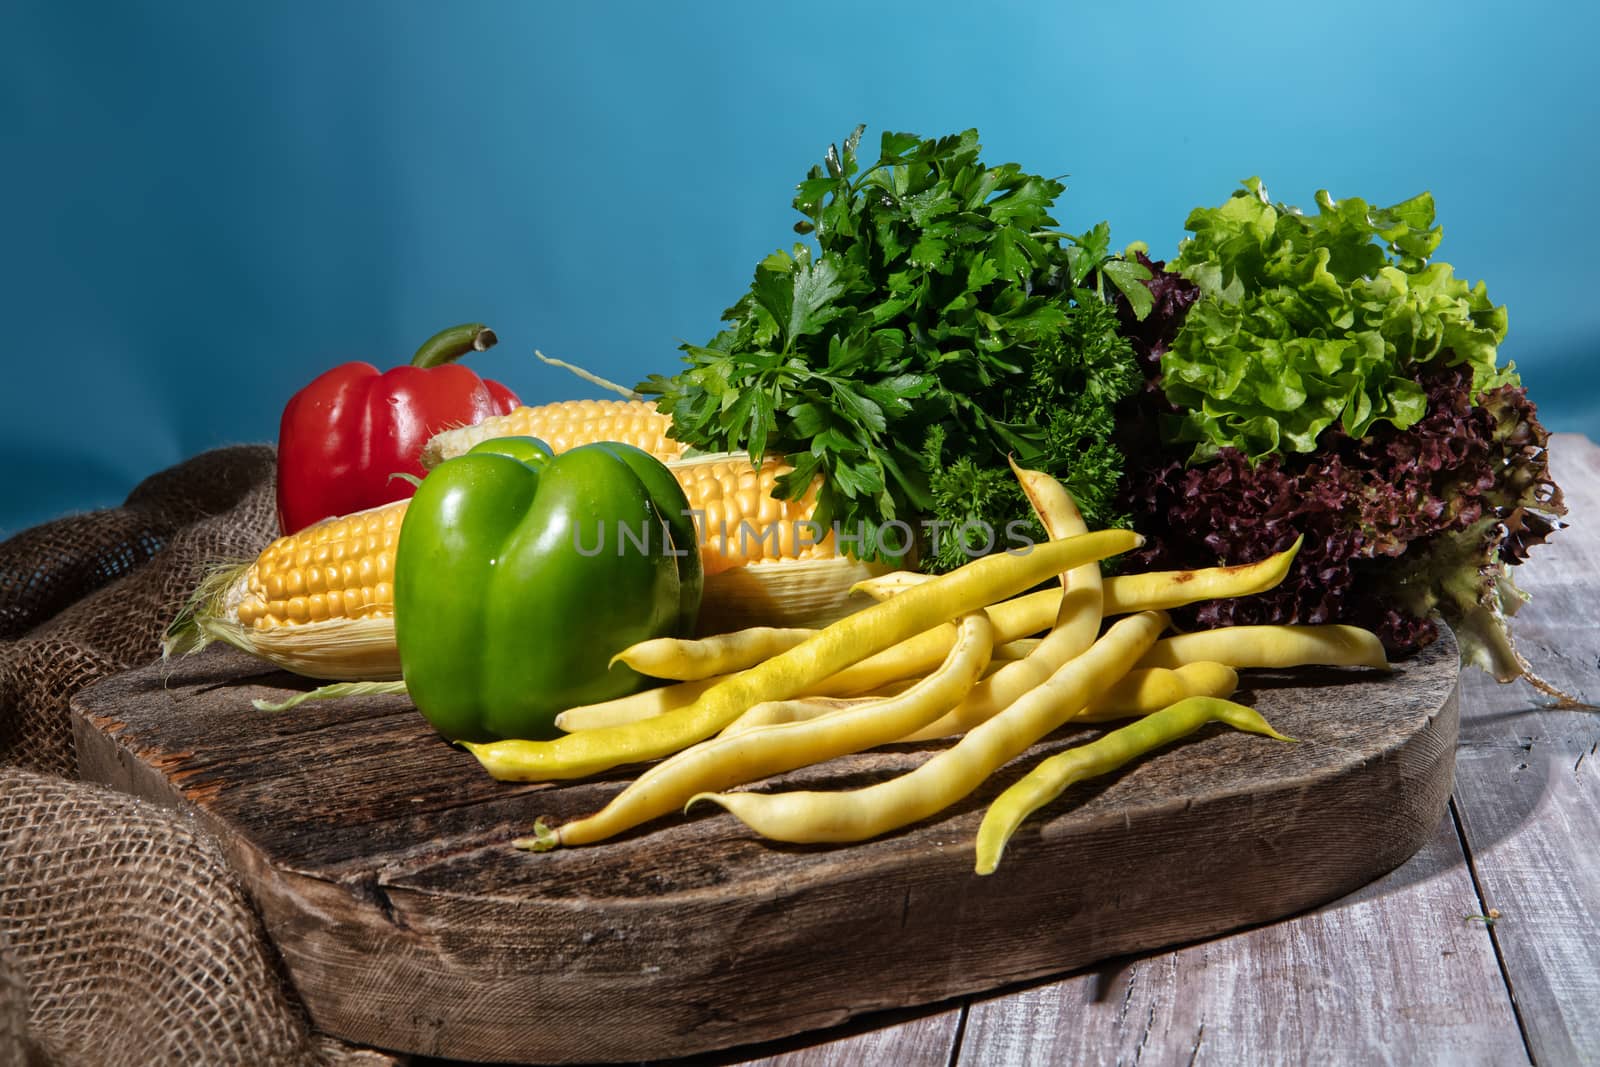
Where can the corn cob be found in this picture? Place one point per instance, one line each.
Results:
(563, 426)
(343, 568)
(740, 519)
(320, 602)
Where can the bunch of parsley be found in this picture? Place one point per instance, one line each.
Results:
(941, 325)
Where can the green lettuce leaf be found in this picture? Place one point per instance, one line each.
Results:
(1309, 320)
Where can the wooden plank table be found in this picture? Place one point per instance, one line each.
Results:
(1403, 971)
(1406, 969)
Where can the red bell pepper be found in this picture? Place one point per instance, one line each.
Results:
(346, 434)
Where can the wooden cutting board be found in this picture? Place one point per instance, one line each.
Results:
(379, 857)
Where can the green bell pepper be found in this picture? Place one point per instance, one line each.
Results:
(519, 574)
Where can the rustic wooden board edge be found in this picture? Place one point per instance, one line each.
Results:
(1052, 929)
(110, 720)
(430, 940)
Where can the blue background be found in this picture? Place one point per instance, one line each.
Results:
(206, 207)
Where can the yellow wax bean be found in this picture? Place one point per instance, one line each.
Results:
(854, 815)
(686, 660)
(1077, 620)
(1052, 776)
(1272, 646)
(733, 759)
(1161, 590)
(1126, 593)
(851, 639)
(1077, 623)
(1013, 620)
(896, 666)
(884, 586)
(800, 709)
(645, 704)
(1150, 689)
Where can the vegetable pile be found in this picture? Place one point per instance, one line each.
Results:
(1287, 375)
(728, 733)
(1294, 444)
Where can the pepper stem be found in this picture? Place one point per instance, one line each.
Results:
(452, 344)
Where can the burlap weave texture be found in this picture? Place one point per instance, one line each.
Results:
(124, 936)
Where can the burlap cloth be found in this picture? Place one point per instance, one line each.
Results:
(124, 937)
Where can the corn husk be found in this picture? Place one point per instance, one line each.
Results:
(803, 592)
(342, 649)
(809, 593)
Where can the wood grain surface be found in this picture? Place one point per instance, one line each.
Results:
(1359, 981)
(379, 858)
(1528, 785)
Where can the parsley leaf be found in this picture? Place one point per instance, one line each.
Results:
(940, 324)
